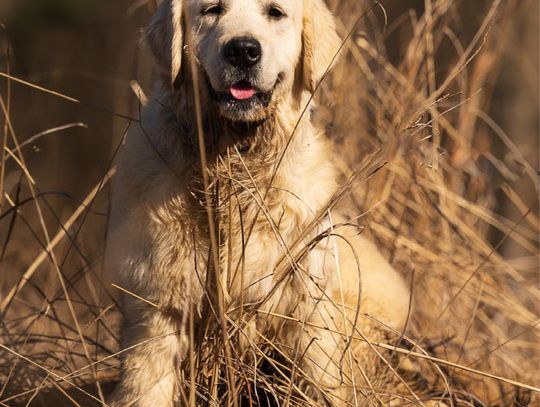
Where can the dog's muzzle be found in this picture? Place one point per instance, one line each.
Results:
(241, 98)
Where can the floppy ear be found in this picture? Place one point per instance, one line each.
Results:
(321, 41)
(165, 38)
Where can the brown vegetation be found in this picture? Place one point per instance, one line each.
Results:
(436, 104)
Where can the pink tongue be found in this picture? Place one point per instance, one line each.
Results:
(242, 91)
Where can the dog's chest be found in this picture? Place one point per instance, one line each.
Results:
(264, 234)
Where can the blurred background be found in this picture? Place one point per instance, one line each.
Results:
(89, 50)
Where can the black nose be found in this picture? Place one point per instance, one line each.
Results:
(242, 52)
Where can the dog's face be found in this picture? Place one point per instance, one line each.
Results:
(250, 52)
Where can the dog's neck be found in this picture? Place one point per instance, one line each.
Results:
(242, 147)
(270, 161)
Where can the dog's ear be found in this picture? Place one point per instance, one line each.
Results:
(320, 40)
(165, 37)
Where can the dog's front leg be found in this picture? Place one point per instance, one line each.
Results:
(154, 345)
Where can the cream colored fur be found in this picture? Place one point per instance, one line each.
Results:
(158, 245)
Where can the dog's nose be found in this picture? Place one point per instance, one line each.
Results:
(243, 52)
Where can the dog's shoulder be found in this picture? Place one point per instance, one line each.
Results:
(155, 172)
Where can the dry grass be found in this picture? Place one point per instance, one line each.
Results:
(427, 172)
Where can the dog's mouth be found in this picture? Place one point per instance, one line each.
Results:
(243, 95)
(242, 90)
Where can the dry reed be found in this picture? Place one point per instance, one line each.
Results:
(423, 174)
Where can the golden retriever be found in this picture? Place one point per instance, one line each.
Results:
(319, 290)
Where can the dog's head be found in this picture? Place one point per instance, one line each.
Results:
(251, 52)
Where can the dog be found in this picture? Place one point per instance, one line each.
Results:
(250, 233)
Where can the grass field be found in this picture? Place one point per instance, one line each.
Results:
(435, 106)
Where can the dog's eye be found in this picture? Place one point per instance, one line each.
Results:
(212, 10)
(276, 13)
